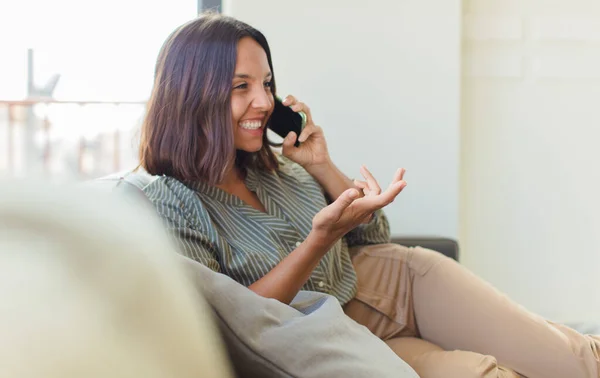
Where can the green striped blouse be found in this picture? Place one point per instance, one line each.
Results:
(220, 231)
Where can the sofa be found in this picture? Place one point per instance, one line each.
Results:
(254, 340)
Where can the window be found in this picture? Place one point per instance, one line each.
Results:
(103, 55)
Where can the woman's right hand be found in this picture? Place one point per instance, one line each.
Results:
(350, 209)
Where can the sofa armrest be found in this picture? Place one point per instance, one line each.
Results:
(445, 246)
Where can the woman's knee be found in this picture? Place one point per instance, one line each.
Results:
(422, 260)
(431, 361)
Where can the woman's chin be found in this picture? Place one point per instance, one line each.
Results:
(249, 140)
(251, 147)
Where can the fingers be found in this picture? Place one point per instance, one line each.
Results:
(362, 185)
(390, 193)
(298, 106)
(308, 131)
(289, 100)
(290, 139)
(398, 176)
(341, 203)
(373, 185)
(374, 200)
(370, 204)
(288, 143)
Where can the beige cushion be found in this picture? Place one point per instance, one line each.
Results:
(90, 287)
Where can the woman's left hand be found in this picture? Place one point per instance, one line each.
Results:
(312, 151)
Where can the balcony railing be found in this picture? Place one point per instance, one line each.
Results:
(72, 139)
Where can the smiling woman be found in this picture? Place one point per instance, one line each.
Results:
(172, 144)
(282, 223)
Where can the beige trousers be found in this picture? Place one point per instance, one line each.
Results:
(446, 322)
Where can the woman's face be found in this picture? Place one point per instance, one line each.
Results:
(251, 98)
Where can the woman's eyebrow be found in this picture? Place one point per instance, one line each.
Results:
(246, 76)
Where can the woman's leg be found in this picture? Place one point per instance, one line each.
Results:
(431, 296)
(478, 317)
(384, 305)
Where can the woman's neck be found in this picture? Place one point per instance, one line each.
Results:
(233, 178)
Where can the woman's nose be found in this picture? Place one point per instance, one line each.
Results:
(263, 100)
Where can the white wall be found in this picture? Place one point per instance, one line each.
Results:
(382, 78)
(530, 209)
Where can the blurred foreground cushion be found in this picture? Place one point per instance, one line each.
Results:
(90, 287)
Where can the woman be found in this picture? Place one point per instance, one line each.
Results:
(264, 219)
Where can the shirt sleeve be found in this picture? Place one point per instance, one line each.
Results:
(187, 235)
(377, 231)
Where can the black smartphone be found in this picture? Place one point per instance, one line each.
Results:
(284, 119)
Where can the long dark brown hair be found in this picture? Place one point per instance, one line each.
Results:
(187, 132)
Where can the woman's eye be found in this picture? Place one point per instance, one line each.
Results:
(241, 86)
(268, 84)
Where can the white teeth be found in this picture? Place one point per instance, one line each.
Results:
(251, 125)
